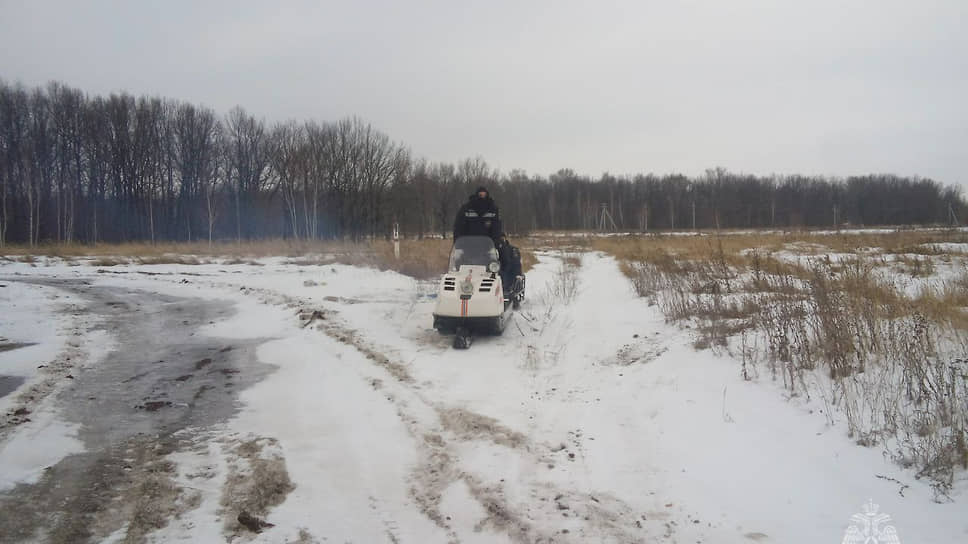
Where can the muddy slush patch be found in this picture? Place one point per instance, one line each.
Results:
(470, 426)
(133, 412)
(129, 486)
(154, 405)
(203, 363)
(257, 480)
(151, 496)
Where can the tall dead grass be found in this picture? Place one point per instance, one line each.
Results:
(422, 259)
(824, 315)
(565, 279)
(248, 249)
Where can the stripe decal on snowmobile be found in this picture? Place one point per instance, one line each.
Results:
(463, 308)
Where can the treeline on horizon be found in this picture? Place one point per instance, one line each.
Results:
(81, 168)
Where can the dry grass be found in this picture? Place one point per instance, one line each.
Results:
(109, 261)
(239, 260)
(947, 302)
(249, 249)
(915, 266)
(171, 259)
(418, 258)
(919, 242)
(897, 241)
(565, 279)
(682, 249)
(746, 264)
(528, 260)
(422, 259)
(894, 365)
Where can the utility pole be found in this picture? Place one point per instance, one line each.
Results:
(693, 215)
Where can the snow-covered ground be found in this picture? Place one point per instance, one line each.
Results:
(589, 420)
(935, 273)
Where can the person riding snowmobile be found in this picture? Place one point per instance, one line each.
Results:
(478, 216)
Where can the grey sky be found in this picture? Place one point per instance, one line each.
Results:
(813, 87)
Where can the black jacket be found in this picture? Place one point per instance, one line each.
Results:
(510, 261)
(478, 217)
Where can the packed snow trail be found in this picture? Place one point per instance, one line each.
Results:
(590, 419)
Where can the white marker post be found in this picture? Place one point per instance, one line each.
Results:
(396, 240)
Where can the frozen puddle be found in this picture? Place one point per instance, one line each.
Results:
(9, 384)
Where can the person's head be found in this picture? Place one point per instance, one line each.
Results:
(482, 192)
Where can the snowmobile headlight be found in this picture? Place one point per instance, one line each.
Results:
(466, 287)
(494, 266)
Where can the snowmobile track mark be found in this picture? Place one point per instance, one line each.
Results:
(467, 426)
(389, 525)
(602, 516)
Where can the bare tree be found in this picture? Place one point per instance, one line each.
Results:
(96, 152)
(66, 106)
(147, 154)
(287, 150)
(40, 165)
(247, 165)
(196, 152)
(13, 137)
(318, 173)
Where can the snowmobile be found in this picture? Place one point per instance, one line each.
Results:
(473, 297)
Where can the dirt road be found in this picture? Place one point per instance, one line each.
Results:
(161, 385)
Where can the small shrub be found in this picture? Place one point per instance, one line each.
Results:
(564, 286)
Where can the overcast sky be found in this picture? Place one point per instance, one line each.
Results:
(770, 86)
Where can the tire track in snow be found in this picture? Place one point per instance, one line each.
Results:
(440, 431)
(438, 441)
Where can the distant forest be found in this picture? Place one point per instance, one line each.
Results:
(82, 168)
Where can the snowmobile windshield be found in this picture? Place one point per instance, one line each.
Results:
(472, 250)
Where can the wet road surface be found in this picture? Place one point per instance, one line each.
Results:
(163, 383)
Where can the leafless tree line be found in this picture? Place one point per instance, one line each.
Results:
(722, 199)
(80, 168)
